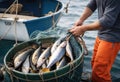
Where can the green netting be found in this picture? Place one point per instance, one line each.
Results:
(69, 73)
(44, 34)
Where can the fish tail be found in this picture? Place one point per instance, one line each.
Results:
(45, 70)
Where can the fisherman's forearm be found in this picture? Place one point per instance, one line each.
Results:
(86, 13)
(93, 26)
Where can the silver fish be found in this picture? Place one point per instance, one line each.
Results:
(62, 63)
(26, 65)
(21, 57)
(36, 55)
(43, 57)
(57, 55)
(56, 44)
(47, 61)
(33, 68)
(44, 65)
(69, 50)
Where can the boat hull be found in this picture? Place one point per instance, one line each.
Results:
(20, 27)
(12, 31)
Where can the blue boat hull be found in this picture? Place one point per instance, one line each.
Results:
(33, 16)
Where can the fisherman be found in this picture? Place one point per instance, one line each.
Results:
(107, 44)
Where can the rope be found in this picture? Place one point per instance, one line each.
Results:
(71, 66)
(41, 76)
(67, 5)
(8, 9)
(53, 17)
(14, 22)
(60, 14)
(55, 22)
(9, 71)
(55, 76)
(3, 16)
(5, 33)
(82, 42)
(66, 8)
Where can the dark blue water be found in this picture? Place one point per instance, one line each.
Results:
(68, 19)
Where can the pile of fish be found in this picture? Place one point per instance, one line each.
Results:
(42, 60)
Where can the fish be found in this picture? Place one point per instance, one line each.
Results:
(57, 55)
(47, 61)
(33, 68)
(69, 50)
(56, 44)
(44, 70)
(26, 65)
(44, 65)
(62, 63)
(21, 57)
(36, 55)
(43, 57)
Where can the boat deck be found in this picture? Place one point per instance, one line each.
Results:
(2, 15)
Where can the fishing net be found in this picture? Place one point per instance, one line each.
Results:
(47, 33)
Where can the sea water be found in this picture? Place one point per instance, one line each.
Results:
(75, 10)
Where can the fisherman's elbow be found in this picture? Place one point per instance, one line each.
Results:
(107, 22)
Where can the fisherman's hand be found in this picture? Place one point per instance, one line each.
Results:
(77, 30)
(78, 23)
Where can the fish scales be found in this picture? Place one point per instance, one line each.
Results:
(69, 50)
(36, 55)
(26, 65)
(21, 57)
(43, 57)
(57, 55)
(62, 63)
(56, 44)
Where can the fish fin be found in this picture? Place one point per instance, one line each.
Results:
(45, 70)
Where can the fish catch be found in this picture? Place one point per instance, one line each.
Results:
(62, 63)
(21, 57)
(69, 50)
(56, 44)
(45, 58)
(36, 55)
(26, 65)
(58, 54)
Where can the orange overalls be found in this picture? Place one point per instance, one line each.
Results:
(104, 55)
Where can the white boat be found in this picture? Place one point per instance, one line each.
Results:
(31, 15)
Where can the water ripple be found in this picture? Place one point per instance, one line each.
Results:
(68, 19)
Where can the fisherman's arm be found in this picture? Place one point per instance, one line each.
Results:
(79, 30)
(90, 8)
(86, 13)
